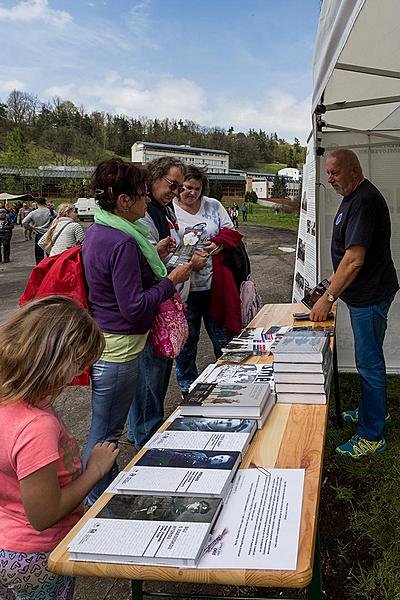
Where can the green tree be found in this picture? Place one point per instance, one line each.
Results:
(279, 189)
(16, 152)
(251, 197)
(216, 189)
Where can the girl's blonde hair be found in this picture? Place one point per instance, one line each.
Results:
(62, 211)
(43, 347)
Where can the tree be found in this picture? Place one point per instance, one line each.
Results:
(16, 152)
(21, 107)
(251, 197)
(216, 189)
(279, 189)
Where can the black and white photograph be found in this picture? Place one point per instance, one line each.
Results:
(204, 459)
(212, 425)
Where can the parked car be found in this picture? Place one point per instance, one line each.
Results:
(86, 208)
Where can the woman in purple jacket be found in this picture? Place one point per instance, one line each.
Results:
(127, 281)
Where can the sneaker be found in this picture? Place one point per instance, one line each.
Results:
(351, 416)
(184, 393)
(357, 447)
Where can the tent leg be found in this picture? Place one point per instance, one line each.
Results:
(336, 384)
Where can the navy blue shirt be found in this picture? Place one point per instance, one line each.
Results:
(363, 220)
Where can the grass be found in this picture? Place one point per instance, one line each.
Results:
(272, 168)
(264, 216)
(365, 497)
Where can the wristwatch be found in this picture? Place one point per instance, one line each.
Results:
(330, 297)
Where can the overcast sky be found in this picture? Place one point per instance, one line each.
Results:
(240, 63)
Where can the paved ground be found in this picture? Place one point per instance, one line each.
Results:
(272, 271)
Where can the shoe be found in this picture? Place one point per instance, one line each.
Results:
(351, 416)
(184, 393)
(358, 447)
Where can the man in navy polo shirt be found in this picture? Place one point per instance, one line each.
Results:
(365, 279)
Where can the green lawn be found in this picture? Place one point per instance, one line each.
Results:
(360, 509)
(262, 215)
(273, 168)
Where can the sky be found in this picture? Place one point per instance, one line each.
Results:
(222, 63)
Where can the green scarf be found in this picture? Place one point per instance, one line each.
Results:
(139, 232)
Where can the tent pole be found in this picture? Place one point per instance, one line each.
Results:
(363, 131)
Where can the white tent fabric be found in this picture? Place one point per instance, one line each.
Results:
(356, 65)
(356, 104)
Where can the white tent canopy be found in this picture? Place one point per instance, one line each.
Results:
(356, 104)
(356, 66)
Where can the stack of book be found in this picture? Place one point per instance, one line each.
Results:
(303, 367)
(230, 400)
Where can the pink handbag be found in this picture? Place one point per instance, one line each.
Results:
(170, 330)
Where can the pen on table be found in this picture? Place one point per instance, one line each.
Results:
(215, 541)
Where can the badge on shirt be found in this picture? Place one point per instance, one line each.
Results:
(338, 218)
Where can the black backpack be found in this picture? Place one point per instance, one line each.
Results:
(238, 262)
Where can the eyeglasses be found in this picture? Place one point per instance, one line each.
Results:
(173, 186)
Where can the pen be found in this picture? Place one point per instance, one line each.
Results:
(215, 541)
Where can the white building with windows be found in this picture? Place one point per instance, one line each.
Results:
(217, 161)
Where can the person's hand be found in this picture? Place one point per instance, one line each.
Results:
(102, 458)
(199, 260)
(181, 273)
(210, 246)
(320, 310)
(166, 246)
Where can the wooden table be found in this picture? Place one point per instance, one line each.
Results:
(292, 437)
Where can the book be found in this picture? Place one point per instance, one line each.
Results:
(185, 250)
(162, 471)
(226, 400)
(305, 397)
(305, 367)
(195, 439)
(300, 377)
(147, 530)
(255, 340)
(256, 374)
(312, 297)
(301, 347)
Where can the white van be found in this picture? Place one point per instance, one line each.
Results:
(86, 208)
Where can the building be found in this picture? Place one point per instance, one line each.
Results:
(290, 172)
(262, 183)
(217, 161)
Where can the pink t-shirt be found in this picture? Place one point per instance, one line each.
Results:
(30, 439)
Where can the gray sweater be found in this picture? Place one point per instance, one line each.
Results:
(39, 220)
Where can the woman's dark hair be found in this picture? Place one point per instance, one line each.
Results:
(199, 174)
(159, 167)
(114, 177)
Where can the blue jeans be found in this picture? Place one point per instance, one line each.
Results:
(147, 410)
(369, 327)
(198, 308)
(113, 389)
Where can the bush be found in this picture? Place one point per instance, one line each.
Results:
(251, 197)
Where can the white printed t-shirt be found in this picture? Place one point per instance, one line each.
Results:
(214, 215)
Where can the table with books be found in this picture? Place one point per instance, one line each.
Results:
(287, 446)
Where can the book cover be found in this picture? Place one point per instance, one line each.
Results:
(150, 530)
(248, 373)
(202, 440)
(301, 346)
(212, 425)
(223, 399)
(162, 471)
(185, 250)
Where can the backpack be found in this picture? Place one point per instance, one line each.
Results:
(250, 301)
(60, 275)
(237, 260)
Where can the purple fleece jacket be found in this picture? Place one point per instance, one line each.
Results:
(123, 293)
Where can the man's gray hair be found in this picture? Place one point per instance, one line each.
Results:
(348, 157)
(159, 167)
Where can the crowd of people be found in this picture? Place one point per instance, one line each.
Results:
(141, 217)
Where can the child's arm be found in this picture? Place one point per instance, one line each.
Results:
(45, 503)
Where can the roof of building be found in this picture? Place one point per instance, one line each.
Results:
(183, 149)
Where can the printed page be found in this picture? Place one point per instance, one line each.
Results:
(260, 522)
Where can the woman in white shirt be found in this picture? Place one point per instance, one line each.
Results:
(64, 232)
(192, 208)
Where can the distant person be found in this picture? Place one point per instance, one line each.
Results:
(43, 346)
(6, 227)
(244, 212)
(64, 232)
(38, 221)
(24, 212)
(365, 279)
(235, 216)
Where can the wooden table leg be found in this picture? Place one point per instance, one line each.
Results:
(315, 587)
(137, 589)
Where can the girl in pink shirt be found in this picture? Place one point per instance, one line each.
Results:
(42, 348)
